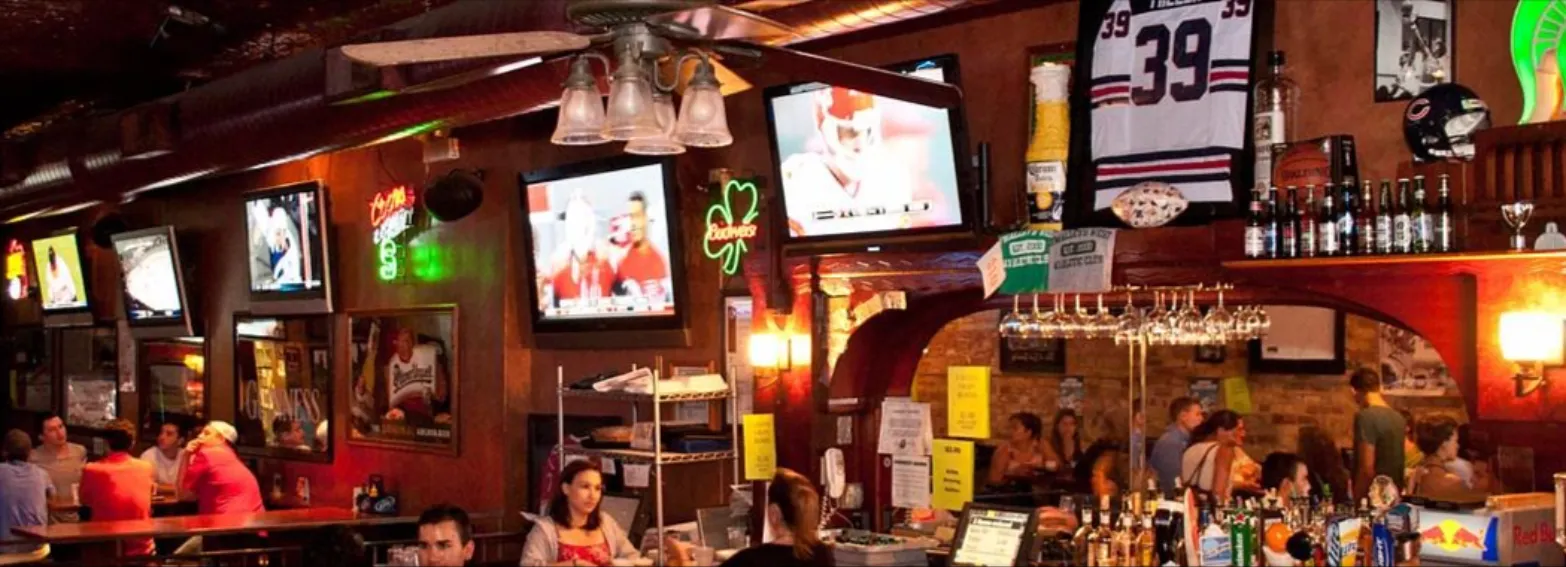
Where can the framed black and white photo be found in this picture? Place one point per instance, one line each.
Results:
(1413, 47)
(1301, 340)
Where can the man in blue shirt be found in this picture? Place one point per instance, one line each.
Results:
(24, 497)
(1184, 415)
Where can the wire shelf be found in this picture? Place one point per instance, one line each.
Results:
(639, 456)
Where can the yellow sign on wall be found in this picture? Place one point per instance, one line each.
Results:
(952, 467)
(761, 456)
(968, 402)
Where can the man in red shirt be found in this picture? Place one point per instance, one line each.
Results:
(644, 272)
(213, 475)
(119, 487)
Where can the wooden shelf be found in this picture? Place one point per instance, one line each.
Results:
(1412, 264)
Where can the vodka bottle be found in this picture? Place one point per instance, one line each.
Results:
(1276, 106)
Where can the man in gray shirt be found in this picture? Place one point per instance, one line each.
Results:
(1184, 415)
(63, 461)
(24, 497)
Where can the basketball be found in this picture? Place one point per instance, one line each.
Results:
(1301, 165)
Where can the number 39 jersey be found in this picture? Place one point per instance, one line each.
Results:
(1169, 96)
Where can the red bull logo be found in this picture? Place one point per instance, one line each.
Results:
(1451, 536)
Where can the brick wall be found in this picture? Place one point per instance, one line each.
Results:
(1281, 403)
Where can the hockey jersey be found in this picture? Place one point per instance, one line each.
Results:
(1169, 92)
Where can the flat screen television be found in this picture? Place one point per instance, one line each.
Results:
(286, 239)
(153, 289)
(606, 259)
(858, 170)
(62, 283)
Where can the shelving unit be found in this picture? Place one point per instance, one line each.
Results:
(657, 457)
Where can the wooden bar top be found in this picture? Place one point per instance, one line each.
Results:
(216, 524)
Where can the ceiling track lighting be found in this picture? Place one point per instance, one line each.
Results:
(640, 108)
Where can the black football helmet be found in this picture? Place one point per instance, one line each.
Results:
(1439, 124)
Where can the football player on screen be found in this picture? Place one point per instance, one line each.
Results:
(643, 271)
(578, 269)
(847, 168)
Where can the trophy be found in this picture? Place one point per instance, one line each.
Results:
(1516, 216)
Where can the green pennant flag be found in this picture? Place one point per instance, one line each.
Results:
(1025, 256)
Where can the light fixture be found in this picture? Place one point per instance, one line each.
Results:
(663, 143)
(779, 350)
(631, 111)
(1530, 339)
(703, 121)
(581, 121)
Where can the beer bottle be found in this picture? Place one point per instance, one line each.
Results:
(1365, 219)
(1290, 226)
(1384, 219)
(1327, 223)
(1348, 225)
(1402, 227)
(1444, 238)
(1307, 234)
(1256, 241)
(1419, 219)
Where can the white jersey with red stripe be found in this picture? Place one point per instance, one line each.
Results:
(1169, 92)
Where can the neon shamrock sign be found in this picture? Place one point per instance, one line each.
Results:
(726, 239)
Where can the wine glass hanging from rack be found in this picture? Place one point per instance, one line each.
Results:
(1154, 315)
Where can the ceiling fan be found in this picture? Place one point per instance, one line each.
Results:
(651, 32)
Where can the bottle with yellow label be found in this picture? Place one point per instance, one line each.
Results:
(1048, 146)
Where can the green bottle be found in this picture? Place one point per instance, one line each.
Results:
(1243, 539)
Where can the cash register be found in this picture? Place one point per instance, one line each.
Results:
(994, 535)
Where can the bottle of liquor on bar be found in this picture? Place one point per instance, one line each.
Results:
(1444, 241)
(1256, 232)
(1086, 537)
(1348, 224)
(1271, 239)
(1276, 105)
(1150, 502)
(1290, 227)
(1365, 219)
(1327, 224)
(1105, 535)
(1121, 554)
(1367, 541)
(1307, 234)
(1402, 223)
(1215, 540)
(1384, 238)
(1419, 219)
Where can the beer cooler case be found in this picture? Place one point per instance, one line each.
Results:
(1510, 530)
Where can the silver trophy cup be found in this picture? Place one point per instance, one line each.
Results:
(1516, 216)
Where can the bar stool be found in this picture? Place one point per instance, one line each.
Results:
(35, 556)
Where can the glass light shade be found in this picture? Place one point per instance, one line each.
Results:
(703, 122)
(799, 350)
(662, 144)
(581, 121)
(631, 113)
(765, 350)
(1528, 336)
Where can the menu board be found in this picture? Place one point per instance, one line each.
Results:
(992, 535)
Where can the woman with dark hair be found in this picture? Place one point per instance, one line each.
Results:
(1323, 462)
(575, 532)
(1021, 454)
(1287, 476)
(1208, 463)
(793, 518)
(1437, 439)
(1100, 472)
(1065, 442)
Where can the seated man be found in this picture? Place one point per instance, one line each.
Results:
(212, 475)
(25, 490)
(289, 433)
(119, 487)
(445, 537)
(63, 460)
(165, 456)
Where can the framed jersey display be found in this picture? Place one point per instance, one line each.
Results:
(404, 378)
(1164, 97)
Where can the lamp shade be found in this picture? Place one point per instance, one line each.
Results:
(631, 113)
(766, 350)
(1530, 336)
(663, 143)
(581, 121)
(703, 121)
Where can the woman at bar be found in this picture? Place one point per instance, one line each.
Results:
(575, 532)
(1065, 442)
(793, 517)
(1285, 475)
(1208, 463)
(1323, 461)
(1437, 438)
(1021, 454)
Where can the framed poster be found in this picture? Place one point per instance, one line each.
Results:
(1302, 340)
(1071, 392)
(1205, 391)
(405, 378)
(1212, 354)
(1413, 47)
(284, 406)
(1032, 355)
(1410, 365)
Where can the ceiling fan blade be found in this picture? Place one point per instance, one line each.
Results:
(716, 21)
(729, 82)
(389, 53)
(801, 66)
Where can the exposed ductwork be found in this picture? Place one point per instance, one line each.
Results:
(279, 111)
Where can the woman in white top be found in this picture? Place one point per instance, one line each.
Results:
(1209, 460)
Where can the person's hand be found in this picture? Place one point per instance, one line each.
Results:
(193, 445)
(679, 551)
(395, 415)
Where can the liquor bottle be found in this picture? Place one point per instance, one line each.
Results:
(1242, 536)
(1150, 503)
(1384, 238)
(1256, 244)
(1085, 538)
(1402, 227)
(1276, 106)
(1367, 542)
(1105, 535)
(1419, 219)
(1215, 540)
(1121, 554)
(1327, 223)
(1444, 241)
(1270, 235)
(1290, 226)
(1348, 224)
(1366, 217)
(1146, 546)
(1307, 216)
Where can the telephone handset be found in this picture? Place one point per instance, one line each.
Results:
(832, 472)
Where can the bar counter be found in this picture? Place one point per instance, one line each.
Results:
(209, 525)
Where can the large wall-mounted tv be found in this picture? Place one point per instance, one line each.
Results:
(857, 170)
(153, 289)
(62, 281)
(288, 253)
(605, 259)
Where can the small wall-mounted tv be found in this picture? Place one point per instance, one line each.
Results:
(860, 170)
(153, 289)
(606, 260)
(288, 253)
(62, 283)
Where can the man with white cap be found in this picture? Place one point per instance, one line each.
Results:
(212, 474)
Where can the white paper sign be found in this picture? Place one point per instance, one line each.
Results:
(1081, 260)
(992, 268)
(905, 429)
(911, 482)
(609, 467)
(845, 430)
(637, 476)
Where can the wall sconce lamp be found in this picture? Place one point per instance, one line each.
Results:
(779, 350)
(1530, 339)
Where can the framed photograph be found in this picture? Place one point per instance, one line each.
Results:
(1212, 354)
(1071, 393)
(1032, 355)
(1205, 392)
(1410, 365)
(1413, 47)
(404, 378)
(1303, 340)
(284, 406)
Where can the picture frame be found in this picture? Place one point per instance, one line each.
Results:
(1032, 356)
(285, 386)
(1212, 354)
(1414, 47)
(405, 395)
(1303, 340)
(165, 369)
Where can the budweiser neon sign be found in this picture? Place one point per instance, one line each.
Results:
(728, 234)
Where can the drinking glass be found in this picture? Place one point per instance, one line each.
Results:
(1012, 322)
(1103, 323)
(1190, 327)
(1253, 322)
(1128, 326)
(1219, 323)
(403, 555)
(1158, 331)
(1030, 324)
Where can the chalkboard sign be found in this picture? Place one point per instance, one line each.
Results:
(1032, 355)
